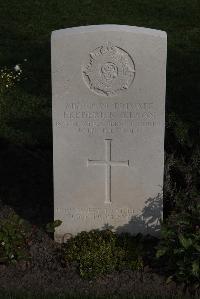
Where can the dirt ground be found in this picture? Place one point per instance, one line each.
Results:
(45, 274)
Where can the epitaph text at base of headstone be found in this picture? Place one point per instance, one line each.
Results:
(108, 84)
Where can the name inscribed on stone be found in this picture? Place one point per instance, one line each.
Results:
(100, 119)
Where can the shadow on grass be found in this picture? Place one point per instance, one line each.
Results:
(26, 181)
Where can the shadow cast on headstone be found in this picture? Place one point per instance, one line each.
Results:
(147, 222)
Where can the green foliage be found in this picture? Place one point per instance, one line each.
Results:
(99, 252)
(50, 227)
(180, 128)
(179, 248)
(13, 240)
(182, 161)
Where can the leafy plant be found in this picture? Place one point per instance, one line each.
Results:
(13, 240)
(99, 252)
(179, 248)
(51, 226)
(179, 128)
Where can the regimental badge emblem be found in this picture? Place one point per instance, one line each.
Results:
(110, 70)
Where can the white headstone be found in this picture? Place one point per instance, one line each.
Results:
(108, 128)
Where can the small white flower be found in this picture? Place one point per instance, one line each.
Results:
(12, 256)
(3, 243)
(25, 59)
(6, 85)
(17, 68)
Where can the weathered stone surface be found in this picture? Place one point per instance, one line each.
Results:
(108, 127)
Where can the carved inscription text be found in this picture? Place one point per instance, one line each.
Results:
(109, 118)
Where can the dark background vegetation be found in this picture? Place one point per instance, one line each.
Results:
(25, 111)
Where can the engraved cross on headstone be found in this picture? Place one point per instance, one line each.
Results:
(108, 163)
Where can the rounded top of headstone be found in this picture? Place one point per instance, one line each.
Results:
(111, 27)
